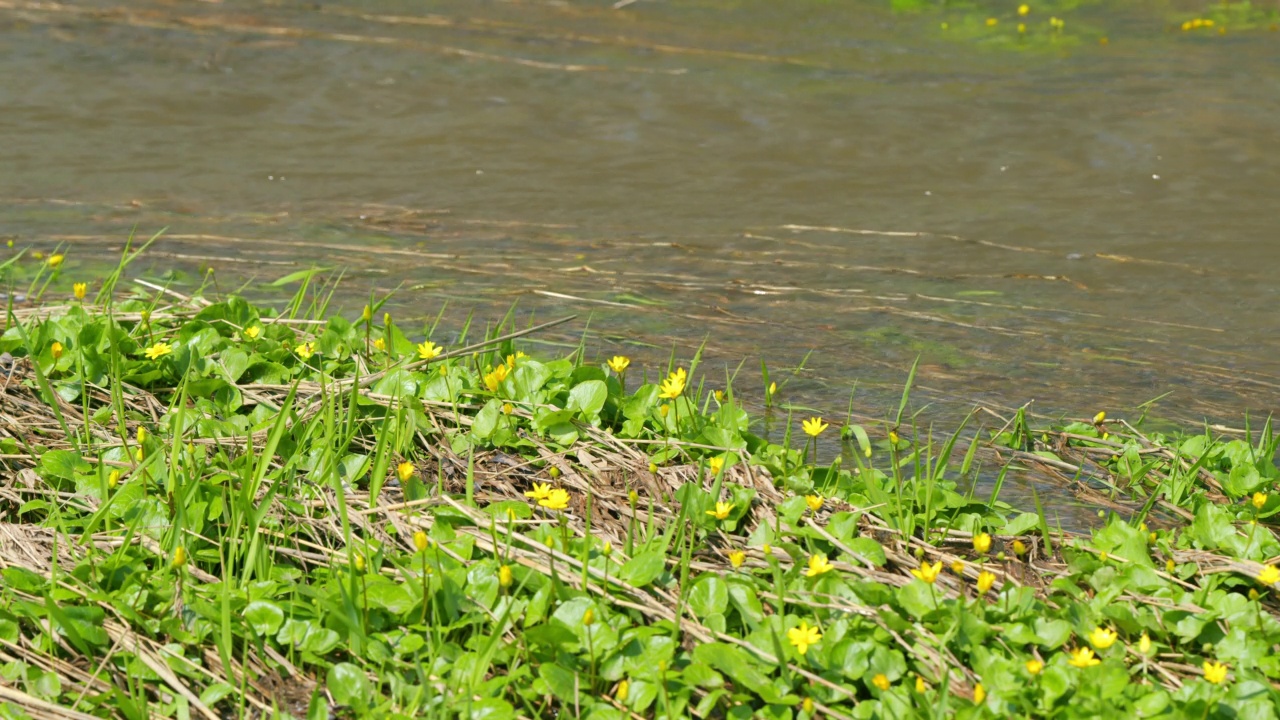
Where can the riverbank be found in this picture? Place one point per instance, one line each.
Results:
(217, 509)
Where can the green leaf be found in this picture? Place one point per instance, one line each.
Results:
(643, 568)
(388, 595)
(491, 709)
(214, 694)
(487, 419)
(348, 685)
(588, 398)
(264, 617)
(747, 603)
(1052, 633)
(562, 682)
(1020, 524)
(869, 549)
(737, 664)
(61, 464)
(709, 595)
(917, 598)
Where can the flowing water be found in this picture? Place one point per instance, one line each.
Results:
(1081, 217)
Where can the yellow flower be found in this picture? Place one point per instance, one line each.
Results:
(157, 351)
(1259, 499)
(180, 558)
(666, 408)
(540, 491)
(767, 549)
(404, 471)
(1102, 638)
(1144, 644)
(142, 434)
(814, 502)
(619, 363)
(139, 455)
(359, 562)
(380, 344)
(80, 290)
(722, 510)
(1083, 658)
(991, 22)
(981, 542)
(589, 617)
(1019, 548)
(985, 581)
(1254, 594)
(1022, 28)
(957, 567)
(979, 692)
(420, 540)
(1103, 556)
(553, 471)
(1100, 418)
(113, 479)
(773, 389)
(1169, 565)
(803, 636)
(494, 378)
(428, 350)
(736, 558)
(621, 693)
(1034, 666)
(558, 499)
(817, 564)
(719, 395)
(673, 385)
(251, 332)
(928, 573)
(367, 315)
(607, 548)
(880, 681)
(1268, 575)
(56, 259)
(55, 350)
(1023, 9)
(508, 408)
(305, 350)
(814, 426)
(920, 685)
(1056, 23)
(716, 464)
(1215, 672)
(807, 705)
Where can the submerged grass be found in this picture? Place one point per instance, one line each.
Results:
(212, 509)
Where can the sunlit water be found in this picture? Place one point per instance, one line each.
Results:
(1080, 225)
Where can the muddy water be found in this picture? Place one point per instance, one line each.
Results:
(1042, 217)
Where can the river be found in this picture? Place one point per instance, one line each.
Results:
(1082, 217)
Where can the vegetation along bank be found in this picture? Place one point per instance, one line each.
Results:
(215, 509)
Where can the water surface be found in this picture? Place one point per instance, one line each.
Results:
(1056, 220)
